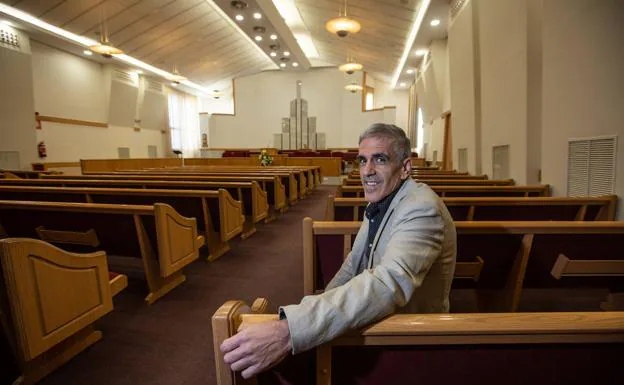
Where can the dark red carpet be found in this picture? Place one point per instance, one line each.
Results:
(170, 342)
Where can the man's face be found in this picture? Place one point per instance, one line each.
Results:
(379, 169)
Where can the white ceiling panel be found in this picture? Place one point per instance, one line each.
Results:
(207, 47)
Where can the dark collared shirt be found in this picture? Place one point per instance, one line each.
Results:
(374, 213)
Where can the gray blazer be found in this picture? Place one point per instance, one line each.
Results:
(411, 272)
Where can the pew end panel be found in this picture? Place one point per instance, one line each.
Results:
(231, 216)
(178, 241)
(51, 300)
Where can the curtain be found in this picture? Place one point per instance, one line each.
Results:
(184, 123)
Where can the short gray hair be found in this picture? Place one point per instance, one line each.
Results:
(400, 142)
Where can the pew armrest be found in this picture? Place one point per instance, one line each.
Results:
(259, 306)
(118, 282)
(36, 275)
(178, 241)
(88, 237)
(565, 267)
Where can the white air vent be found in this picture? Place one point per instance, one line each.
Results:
(591, 166)
(126, 77)
(154, 86)
(456, 7)
(123, 152)
(9, 38)
(10, 160)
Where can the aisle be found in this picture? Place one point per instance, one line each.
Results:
(170, 342)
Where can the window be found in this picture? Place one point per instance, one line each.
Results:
(184, 124)
(370, 98)
(420, 135)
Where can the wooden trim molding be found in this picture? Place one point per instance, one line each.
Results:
(76, 122)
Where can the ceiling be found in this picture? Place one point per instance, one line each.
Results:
(200, 38)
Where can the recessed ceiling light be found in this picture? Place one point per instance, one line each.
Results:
(274, 37)
(286, 53)
(258, 38)
(295, 64)
(282, 65)
(435, 22)
(87, 52)
(402, 84)
(421, 52)
(257, 15)
(409, 71)
(273, 54)
(239, 17)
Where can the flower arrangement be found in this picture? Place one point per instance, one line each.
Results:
(265, 158)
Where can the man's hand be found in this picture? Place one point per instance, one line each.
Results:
(257, 347)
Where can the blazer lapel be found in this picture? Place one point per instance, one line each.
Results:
(397, 199)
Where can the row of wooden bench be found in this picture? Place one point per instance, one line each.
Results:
(497, 208)
(572, 348)
(160, 225)
(499, 260)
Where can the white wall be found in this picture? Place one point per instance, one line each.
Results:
(17, 122)
(463, 96)
(503, 49)
(72, 87)
(387, 96)
(433, 93)
(583, 58)
(263, 99)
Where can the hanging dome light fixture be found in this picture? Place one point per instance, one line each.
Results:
(343, 25)
(353, 87)
(350, 66)
(176, 77)
(105, 47)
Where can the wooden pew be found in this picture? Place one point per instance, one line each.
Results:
(155, 238)
(490, 209)
(265, 188)
(504, 259)
(440, 349)
(464, 191)
(445, 182)
(287, 179)
(313, 174)
(49, 302)
(219, 217)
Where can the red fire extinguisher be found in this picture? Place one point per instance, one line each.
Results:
(41, 148)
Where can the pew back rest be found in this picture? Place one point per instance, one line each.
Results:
(36, 276)
(156, 231)
(210, 207)
(498, 208)
(498, 346)
(268, 187)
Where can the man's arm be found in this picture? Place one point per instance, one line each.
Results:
(415, 243)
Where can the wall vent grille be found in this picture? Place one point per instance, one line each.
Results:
(591, 166)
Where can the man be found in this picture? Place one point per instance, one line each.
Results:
(403, 259)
